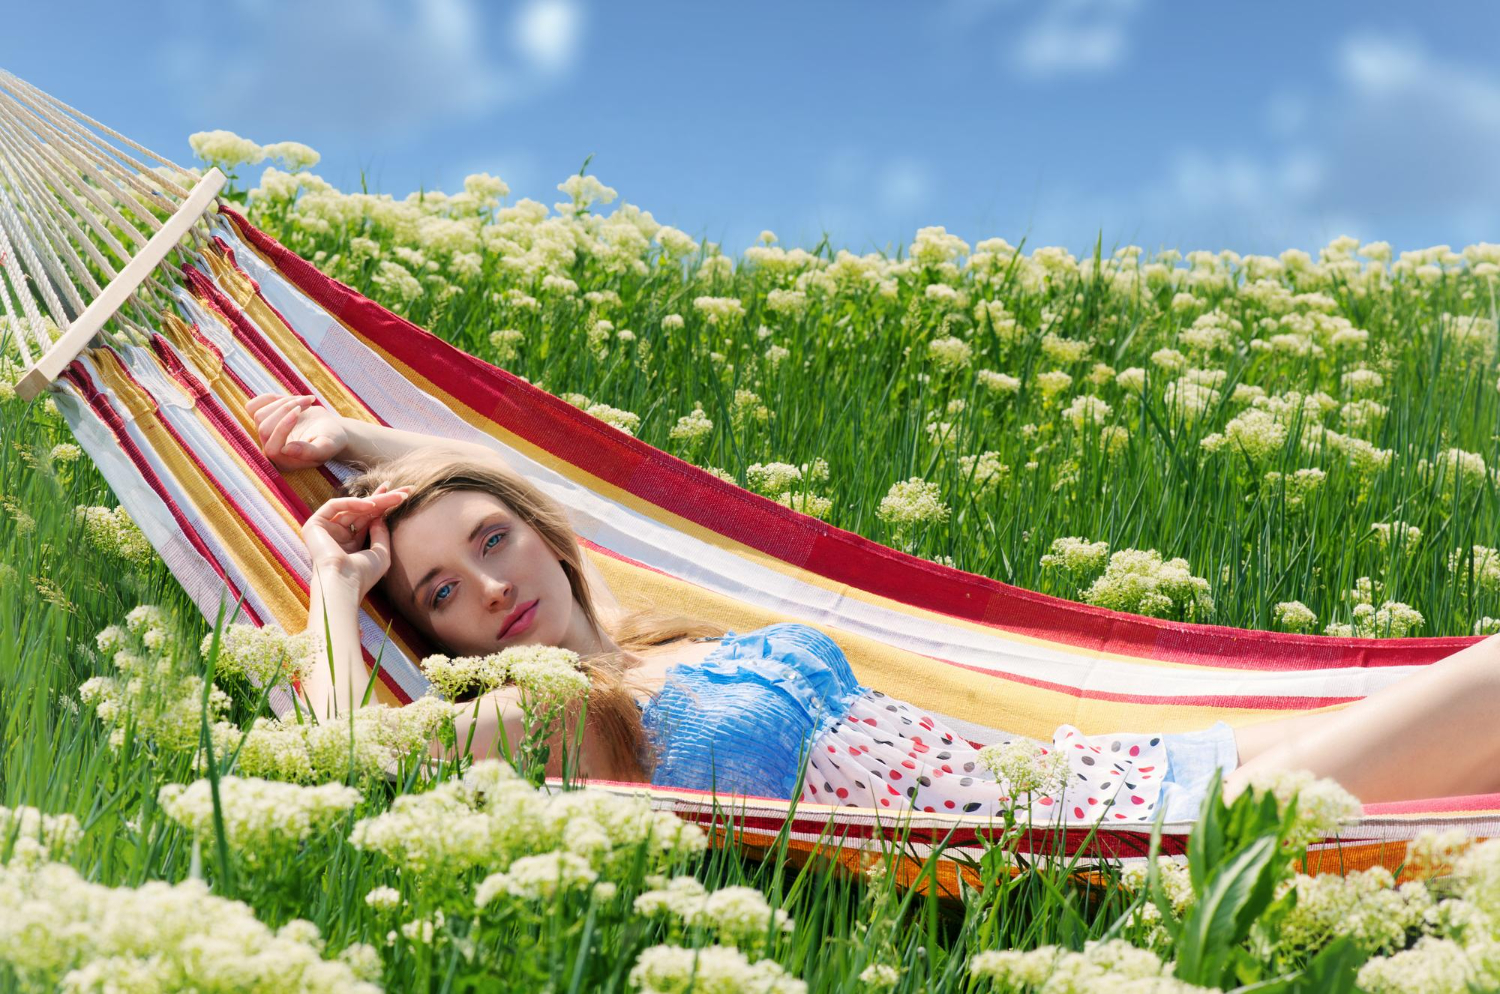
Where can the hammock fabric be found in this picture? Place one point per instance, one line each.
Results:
(169, 430)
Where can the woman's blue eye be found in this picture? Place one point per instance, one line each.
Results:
(439, 601)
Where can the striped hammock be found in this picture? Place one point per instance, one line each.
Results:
(168, 428)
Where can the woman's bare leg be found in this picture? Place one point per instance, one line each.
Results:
(1434, 734)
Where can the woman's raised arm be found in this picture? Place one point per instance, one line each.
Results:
(368, 444)
(296, 432)
(343, 572)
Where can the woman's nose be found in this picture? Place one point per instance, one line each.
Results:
(496, 590)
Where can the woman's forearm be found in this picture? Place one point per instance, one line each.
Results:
(369, 444)
(496, 709)
(333, 609)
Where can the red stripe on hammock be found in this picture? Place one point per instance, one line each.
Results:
(1472, 802)
(229, 428)
(229, 255)
(79, 377)
(838, 555)
(213, 298)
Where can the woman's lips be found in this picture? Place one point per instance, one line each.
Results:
(522, 622)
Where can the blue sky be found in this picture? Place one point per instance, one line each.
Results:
(1252, 127)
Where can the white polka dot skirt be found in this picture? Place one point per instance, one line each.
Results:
(888, 754)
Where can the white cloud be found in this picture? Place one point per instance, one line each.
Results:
(1377, 64)
(1202, 181)
(1383, 69)
(1075, 37)
(386, 70)
(549, 33)
(1400, 146)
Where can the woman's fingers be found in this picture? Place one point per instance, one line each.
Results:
(272, 413)
(270, 417)
(273, 408)
(279, 433)
(342, 511)
(260, 400)
(380, 538)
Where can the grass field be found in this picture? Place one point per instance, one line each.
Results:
(1283, 443)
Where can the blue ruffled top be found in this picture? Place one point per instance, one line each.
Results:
(743, 718)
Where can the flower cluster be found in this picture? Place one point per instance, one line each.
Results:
(1362, 904)
(1322, 805)
(370, 742)
(154, 686)
(738, 915)
(1403, 534)
(778, 477)
(59, 931)
(492, 818)
(258, 653)
(1176, 884)
(1026, 767)
(1140, 582)
(112, 531)
(1076, 555)
(691, 427)
(912, 503)
(1111, 965)
(540, 877)
(949, 353)
(548, 676)
(1484, 560)
(1296, 487)
(1392, 619)
(1295, 616)
(1256, 434)
(37, 836)
(667, 969)
(456, 677)
(264, 820)
(626, 421)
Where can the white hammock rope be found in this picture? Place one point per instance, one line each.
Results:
(86, 232)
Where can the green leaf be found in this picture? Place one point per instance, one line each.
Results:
(1221, 918)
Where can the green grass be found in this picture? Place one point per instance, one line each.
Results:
(857, 389)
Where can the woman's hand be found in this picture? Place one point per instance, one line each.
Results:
(335, 536)
(294, 432)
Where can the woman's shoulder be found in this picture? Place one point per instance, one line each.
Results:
(790, 642)
(800, 634)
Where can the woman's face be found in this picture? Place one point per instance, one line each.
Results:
(464, 564)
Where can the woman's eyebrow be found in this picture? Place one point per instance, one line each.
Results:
(438, 569)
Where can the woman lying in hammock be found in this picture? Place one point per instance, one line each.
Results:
(479, 560)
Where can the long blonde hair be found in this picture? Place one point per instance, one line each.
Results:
(611, 712)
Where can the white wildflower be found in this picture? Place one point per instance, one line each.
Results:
(1140, 582)
(1295, 616)
(1000, 383)
(540, 877)
(1076, 555)
(912, 502)
(263, 820)
(623, 420)
(949, 353)
(691, 427)
(1026, 767)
